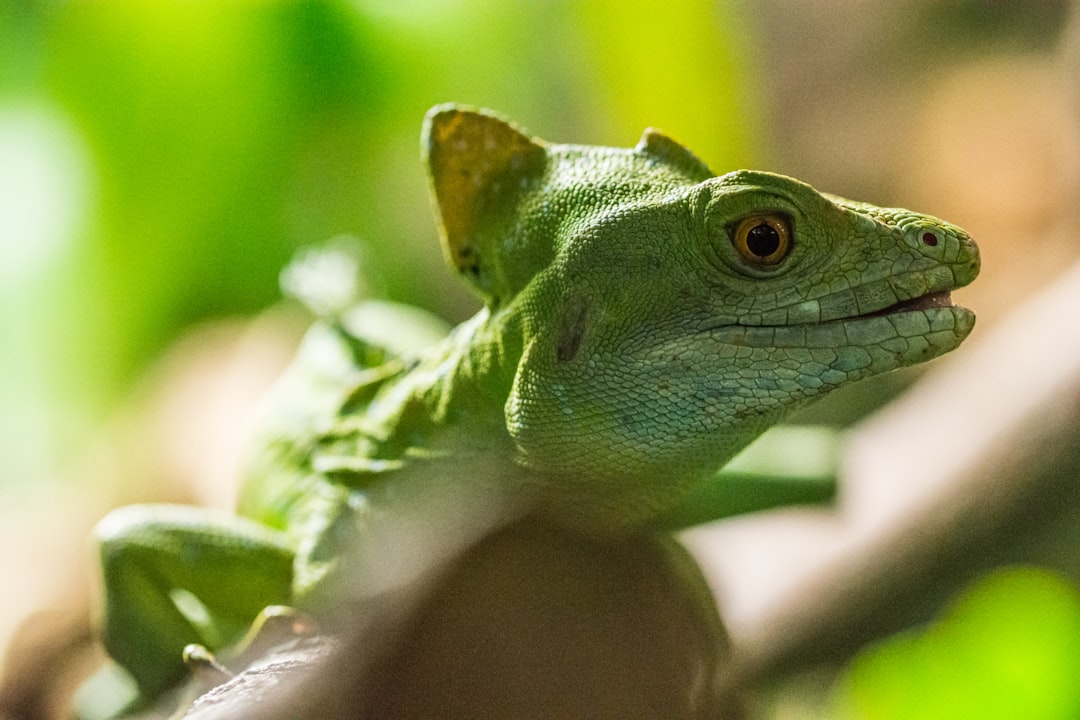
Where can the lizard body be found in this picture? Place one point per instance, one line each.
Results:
(644, 320)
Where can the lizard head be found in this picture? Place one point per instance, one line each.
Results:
(667, 316)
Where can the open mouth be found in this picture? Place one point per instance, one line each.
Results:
(923, 302)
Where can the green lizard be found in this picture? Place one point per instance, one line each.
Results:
(644, 320)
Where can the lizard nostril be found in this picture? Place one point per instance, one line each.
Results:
(929, 239)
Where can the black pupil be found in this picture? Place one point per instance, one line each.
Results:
(763, 240)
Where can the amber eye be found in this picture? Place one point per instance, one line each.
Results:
(763, 239)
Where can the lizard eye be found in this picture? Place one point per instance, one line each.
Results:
(763, 240)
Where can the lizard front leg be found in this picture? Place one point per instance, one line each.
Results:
(176, 575)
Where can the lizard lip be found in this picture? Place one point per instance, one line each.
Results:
(939, 299)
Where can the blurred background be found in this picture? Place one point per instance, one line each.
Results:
(161, 161)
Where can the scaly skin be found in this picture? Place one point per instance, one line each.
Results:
(634, 339)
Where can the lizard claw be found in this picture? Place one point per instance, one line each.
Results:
(204, 666)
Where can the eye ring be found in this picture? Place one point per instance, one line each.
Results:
(763, 240)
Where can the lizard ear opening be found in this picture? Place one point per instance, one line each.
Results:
(477, 163)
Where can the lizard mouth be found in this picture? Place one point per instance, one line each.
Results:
(941, 299)
(941, 313)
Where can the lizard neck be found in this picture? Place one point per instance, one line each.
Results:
(472, 373)
(450, 403)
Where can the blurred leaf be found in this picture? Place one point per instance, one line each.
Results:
(194, 113)
(682, 67)
(1008, 648)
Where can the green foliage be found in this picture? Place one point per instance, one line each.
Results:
(1008, 648)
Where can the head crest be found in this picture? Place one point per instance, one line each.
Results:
(477, 163)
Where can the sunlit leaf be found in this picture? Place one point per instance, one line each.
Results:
(1009, 647)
